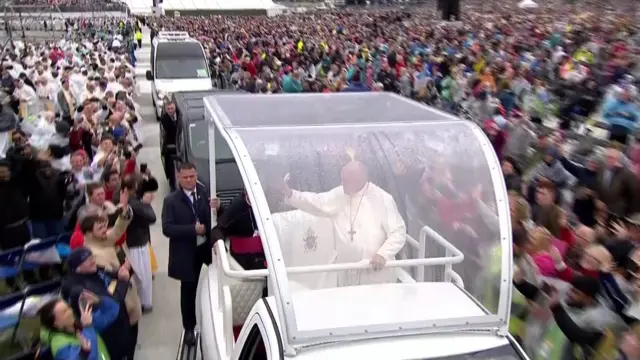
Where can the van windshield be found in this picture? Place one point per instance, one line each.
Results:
(180, 60)
(199, 142)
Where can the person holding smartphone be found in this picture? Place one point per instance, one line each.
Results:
(138, 238)
(71, 337)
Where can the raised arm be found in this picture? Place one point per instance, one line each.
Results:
(324, 204)
(120, 227)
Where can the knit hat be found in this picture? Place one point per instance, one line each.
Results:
(77, 257)
(148, 185)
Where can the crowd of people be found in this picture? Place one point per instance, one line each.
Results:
(575, 224)
(522, 61)
(72, 5)
(69, 139)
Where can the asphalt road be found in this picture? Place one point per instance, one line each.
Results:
(159, 331)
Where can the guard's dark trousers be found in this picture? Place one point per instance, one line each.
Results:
(188, 291)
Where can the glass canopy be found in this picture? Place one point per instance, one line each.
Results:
(348, 178)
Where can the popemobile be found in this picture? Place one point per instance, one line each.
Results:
(383, 223)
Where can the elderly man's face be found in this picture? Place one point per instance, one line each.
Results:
(354, 177)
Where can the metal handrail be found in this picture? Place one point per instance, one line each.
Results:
(456, 258)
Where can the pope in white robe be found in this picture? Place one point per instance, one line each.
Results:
(366, 222)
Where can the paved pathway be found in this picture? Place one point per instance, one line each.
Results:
(159, 331)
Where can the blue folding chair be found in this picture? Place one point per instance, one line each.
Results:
(10, 263)
(48, 287)
(9, 320)
(63, 245)
(31, 248)
(10, 269)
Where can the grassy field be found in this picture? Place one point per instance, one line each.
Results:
(27, 335)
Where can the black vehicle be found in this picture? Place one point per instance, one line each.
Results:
(192, 145)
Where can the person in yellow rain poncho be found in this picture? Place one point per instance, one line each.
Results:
(324, 46)
(479, 66)
(583, 55)
(138, 37)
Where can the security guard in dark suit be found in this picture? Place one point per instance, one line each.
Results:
(186, 221)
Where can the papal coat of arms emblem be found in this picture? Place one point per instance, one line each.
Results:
(310, 241)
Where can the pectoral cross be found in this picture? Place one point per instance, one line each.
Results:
(351, 234)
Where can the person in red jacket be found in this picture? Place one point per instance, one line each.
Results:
(594, 259)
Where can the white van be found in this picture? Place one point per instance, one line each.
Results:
(178, 63)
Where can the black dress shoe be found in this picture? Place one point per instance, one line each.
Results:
(189, 338)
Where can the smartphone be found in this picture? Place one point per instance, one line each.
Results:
(82, 302)
(143, 168)
(547, 289)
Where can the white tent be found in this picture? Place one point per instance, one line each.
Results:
(527, 4)
(222, 5)
(139, 7)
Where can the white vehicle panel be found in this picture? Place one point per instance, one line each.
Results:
(407, 347)
(178, 85)
(381, 304)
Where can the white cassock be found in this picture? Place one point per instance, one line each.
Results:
(28, 96)
(365, 224)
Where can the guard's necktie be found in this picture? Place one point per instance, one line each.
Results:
(194, 200)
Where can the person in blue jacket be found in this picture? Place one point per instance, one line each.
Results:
(356, 85)
(291, 83)
(622, 115)
(70, 338)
